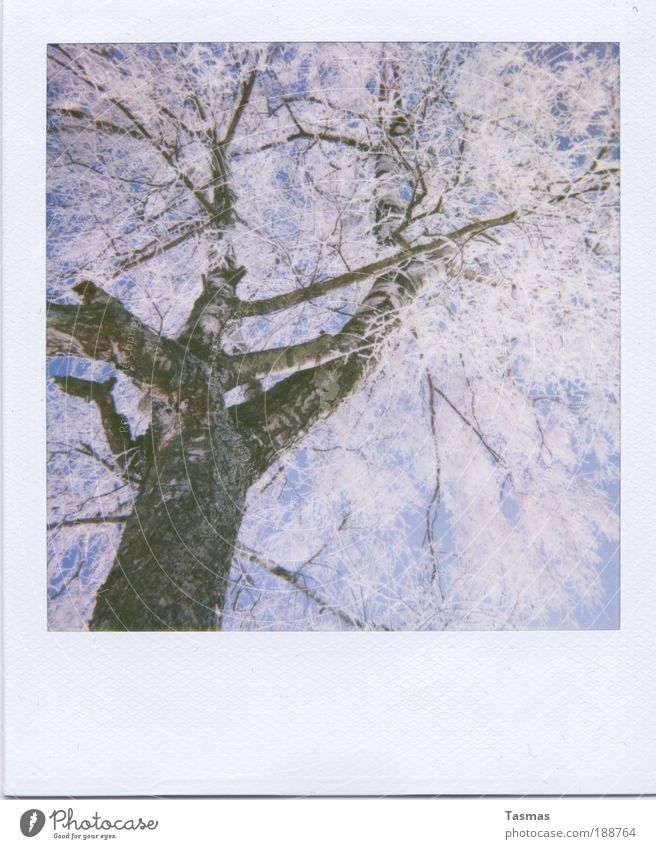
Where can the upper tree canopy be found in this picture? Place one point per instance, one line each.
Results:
(398, 264)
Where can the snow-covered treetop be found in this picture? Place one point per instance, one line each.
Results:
(469, 481)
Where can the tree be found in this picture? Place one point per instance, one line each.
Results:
(333, 332)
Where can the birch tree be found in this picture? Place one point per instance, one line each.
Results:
(333, 334)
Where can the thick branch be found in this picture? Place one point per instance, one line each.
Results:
(211, 310)
(275, 421)
(266, 306)
(101, 328)
(275, 361)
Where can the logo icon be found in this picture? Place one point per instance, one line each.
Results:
(32, 822)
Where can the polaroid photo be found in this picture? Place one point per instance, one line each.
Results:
(313, 399)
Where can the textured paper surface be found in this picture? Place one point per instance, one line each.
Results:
(503, 713)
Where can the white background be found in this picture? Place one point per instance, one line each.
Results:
(457, 713)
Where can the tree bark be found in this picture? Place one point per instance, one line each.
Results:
(172, 566)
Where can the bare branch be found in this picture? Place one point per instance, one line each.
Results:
(431, 512)
(88, 520)
(495, 456)
(299, 582)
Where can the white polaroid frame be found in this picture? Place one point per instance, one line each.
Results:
(541, 712)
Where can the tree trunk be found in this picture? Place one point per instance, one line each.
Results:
(173, 562)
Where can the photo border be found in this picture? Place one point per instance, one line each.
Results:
(467, 713)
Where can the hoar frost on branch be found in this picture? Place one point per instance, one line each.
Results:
(333, 334)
